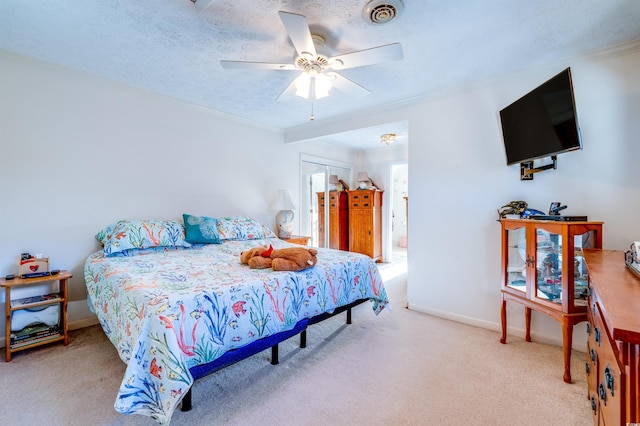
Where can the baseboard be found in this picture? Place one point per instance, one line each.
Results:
(457, 318)
(87, 322)
(489, 325)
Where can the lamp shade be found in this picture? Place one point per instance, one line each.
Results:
(363, 177)
(284, 201)
(333, 179)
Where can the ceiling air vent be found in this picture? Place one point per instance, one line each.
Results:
(381, 12)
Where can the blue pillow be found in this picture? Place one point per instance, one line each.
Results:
(201, 229)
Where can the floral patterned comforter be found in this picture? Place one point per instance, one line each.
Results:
(166, 312)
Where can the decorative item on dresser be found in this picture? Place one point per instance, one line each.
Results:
(365, 181)
(284, 217)
(338, 220)
(365, 222)
(543, 269)
(613, 343)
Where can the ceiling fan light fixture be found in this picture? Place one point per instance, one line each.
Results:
(314, 85)
(303, 84)
(381, 11)
(322, 85)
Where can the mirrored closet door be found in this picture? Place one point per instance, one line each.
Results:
(323, 214)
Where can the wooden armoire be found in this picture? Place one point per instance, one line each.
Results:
(338, 223)
(365, 222)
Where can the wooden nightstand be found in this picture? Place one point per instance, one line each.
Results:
(297, 239)
(60, 297)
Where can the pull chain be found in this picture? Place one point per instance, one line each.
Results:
(312, 93)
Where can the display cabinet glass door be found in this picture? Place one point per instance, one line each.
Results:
(551, 268)
(517, 257)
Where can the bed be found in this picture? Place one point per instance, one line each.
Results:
(177, 304)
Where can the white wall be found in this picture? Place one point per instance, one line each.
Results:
(458, 179)
(79, 153)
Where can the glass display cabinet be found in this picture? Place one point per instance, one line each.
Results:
(543, 269)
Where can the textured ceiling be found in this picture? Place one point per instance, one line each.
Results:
(167, 47)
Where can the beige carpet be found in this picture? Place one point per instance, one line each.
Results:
(400, 368)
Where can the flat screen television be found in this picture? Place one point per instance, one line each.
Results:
(542, 123)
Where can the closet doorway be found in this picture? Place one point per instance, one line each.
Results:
(315, 174)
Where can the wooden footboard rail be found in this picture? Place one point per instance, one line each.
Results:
(253, 348)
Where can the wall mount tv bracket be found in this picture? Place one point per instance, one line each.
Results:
(527, 170)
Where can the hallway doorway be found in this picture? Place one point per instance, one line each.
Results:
(396, 264)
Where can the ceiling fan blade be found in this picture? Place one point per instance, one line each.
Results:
(258, 65)
(375, 55)
(345, 85)
(298, 29)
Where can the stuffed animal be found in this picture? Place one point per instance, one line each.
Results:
(286, 259)
(257, 257)
(293, 258)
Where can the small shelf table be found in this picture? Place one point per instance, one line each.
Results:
(60, 298)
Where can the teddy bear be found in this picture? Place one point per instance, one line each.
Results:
(286, 259)
(293, 258)
(257, 257)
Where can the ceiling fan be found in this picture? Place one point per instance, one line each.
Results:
(316, 63)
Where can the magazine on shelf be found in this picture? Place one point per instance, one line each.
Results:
(34, 332)
(34, 299)
(27, 342)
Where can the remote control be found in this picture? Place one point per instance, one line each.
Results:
(35, 275)
(55, 272)
(9, 277)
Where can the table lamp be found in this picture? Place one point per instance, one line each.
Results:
(363, 180)
(333, 182)
(284, 217)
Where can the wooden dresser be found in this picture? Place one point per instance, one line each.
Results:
(613, 345)
(338, 222)
(365, 222)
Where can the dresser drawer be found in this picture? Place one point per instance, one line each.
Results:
(610, 381)
(361, 201)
